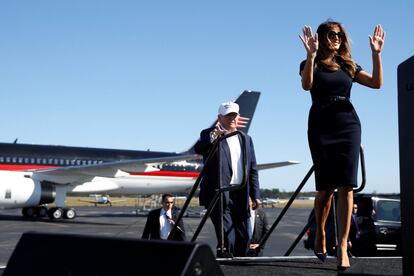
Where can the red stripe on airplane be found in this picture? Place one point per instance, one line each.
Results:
(168, 173)
(14, 167)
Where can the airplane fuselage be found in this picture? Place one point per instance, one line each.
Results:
(32, 176)
(18, 161)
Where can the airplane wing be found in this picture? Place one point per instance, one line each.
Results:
(84, 173)
(98, 202)
(89, 201)
(276, 165)
(117, 200)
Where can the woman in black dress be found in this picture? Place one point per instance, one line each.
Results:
(334, 130)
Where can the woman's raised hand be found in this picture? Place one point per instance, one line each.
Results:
(309, 41)
(377, 40)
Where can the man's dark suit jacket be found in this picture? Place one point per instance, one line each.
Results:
(152, 226)
(210, 182)
(261, 227)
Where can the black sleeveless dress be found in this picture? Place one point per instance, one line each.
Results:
(334, 130)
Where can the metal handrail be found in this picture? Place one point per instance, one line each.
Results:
(364, 177)
(279, 218)
(192, 191)
(219, 191)
(312, 218)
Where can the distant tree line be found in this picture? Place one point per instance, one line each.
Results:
(276, 193)
(270, 193)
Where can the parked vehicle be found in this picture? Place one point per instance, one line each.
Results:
(379, 221)
(375, 229)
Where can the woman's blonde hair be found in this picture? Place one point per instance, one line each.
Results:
(333, 60)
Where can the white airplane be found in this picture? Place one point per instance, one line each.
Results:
(270, 201)
(32, 176)
(102, 200)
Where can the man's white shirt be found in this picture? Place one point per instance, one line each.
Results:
(165, 225)
(235, 156)
(236, 160)
(251, 221)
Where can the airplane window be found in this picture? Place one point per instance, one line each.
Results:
(44, 161)
(78, 162)
(32, 160)
(20, 159)
(8, 159)
(26, 160)
(8, 194)
(14, 160)
(1, 159)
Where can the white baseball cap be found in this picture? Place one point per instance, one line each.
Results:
(228, 107)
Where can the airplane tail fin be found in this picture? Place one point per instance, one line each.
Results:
(247, 102)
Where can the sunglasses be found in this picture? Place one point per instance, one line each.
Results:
(332, 35)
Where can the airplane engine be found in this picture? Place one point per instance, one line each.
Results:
(47, 193)
(18, 189)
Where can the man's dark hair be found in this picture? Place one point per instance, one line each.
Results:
(165, 196)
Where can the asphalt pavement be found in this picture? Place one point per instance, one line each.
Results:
(123, 222)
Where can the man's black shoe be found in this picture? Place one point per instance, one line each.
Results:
(223, 254)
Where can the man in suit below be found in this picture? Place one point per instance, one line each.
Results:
(235, 203)
(258, 228)
(354, 231)
(161, 221)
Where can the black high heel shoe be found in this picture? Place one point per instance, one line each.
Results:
(321, 256)
(341, 268)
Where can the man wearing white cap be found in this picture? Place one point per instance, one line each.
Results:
(235, 203)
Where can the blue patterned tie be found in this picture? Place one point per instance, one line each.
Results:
(172, 222)
(169, 219)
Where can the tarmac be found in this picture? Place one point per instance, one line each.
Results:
(124, 223)
(311, 266)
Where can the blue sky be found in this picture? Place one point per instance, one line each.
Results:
(151, 74)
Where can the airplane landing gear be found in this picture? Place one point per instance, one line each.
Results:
(69, 213)
(28, 212)
(41, 211)
(58, 213)
(53, 213)
(32, 212)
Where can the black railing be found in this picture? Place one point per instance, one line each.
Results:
(219, 191)
(279, 218)
(312, 217)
